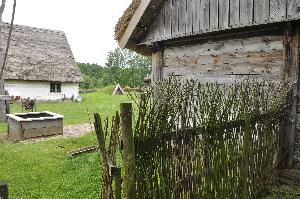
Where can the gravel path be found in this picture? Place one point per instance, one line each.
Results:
(76, 130)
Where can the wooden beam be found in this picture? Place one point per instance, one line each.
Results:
(118, 183)
(128, 151)
(259, 31)
(157, 66)
(291, 75)
(3, 191)
(134, 22)
(80, 151)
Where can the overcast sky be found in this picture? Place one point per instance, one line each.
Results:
(88, 24)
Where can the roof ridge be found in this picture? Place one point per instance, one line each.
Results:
(31, 28)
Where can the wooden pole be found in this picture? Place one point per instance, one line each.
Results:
(3, 191)
(128, 151)
(118, 184)
(106, 191)
(291, 65)
(246, 153)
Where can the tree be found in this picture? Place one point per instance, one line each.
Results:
(122, 66)
(127, 67)
(115, 62)
(2, 102)
(2, 7)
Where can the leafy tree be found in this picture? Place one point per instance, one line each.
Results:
(128, 68)
(122, 66)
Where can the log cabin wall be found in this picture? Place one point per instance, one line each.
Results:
(265, 53)
(209, 40)
(228, 60)
(178, 18)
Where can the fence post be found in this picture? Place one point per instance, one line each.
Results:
(3, 191)
(128, 151)
(287, 128)
(246, 153)
(118, 184)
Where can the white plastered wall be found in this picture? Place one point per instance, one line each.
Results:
(40, 90)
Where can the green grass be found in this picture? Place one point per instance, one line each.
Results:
(43, 170)
(80, 112)
(108, 90)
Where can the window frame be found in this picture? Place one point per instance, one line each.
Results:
(55, 87)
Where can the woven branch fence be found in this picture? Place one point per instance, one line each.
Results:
(207, 141)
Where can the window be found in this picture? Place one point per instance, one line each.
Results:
(55, 87)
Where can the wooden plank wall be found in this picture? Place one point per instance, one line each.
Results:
(227, 60)
(178, 18)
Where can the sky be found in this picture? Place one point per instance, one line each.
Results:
(88, 24)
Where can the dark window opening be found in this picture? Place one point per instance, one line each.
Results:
(55, 87)
(58, 87)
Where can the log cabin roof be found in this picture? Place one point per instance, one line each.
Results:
(149, 21)
(37, 54)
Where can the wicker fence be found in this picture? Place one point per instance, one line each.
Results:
(199, 141)
(207, 141)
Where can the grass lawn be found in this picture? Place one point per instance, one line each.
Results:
(79, 112)
(43, 170)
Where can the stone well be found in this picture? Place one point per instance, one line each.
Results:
(22, 126)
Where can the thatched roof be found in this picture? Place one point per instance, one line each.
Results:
(39, 55)
(135, 22)
(125, 19)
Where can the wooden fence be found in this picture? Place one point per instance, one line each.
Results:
(201, 141)
(233, 161)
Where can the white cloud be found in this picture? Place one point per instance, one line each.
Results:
(89, 24)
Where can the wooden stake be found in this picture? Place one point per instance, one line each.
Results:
(118, 184)
(3, 191)
(128, 151)
(106, 191)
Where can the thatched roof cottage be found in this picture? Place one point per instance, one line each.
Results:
(219, 40)
(40, 64)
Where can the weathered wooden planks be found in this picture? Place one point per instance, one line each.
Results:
(77, 152)
(214, 14)
(168, 19)
(223, 14)
(261, 11)
(260, 57)
(182, 13)
(179, 18)
(156, 29)
(196, 16)
(174, 17)
(234, 14)
(204, 15)
(189, 16)
(246, 12)
(291, 69)
(157, 65)
(277, 10)
(293, 9)
(160, 26)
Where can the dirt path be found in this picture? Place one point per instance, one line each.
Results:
(76, 130)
